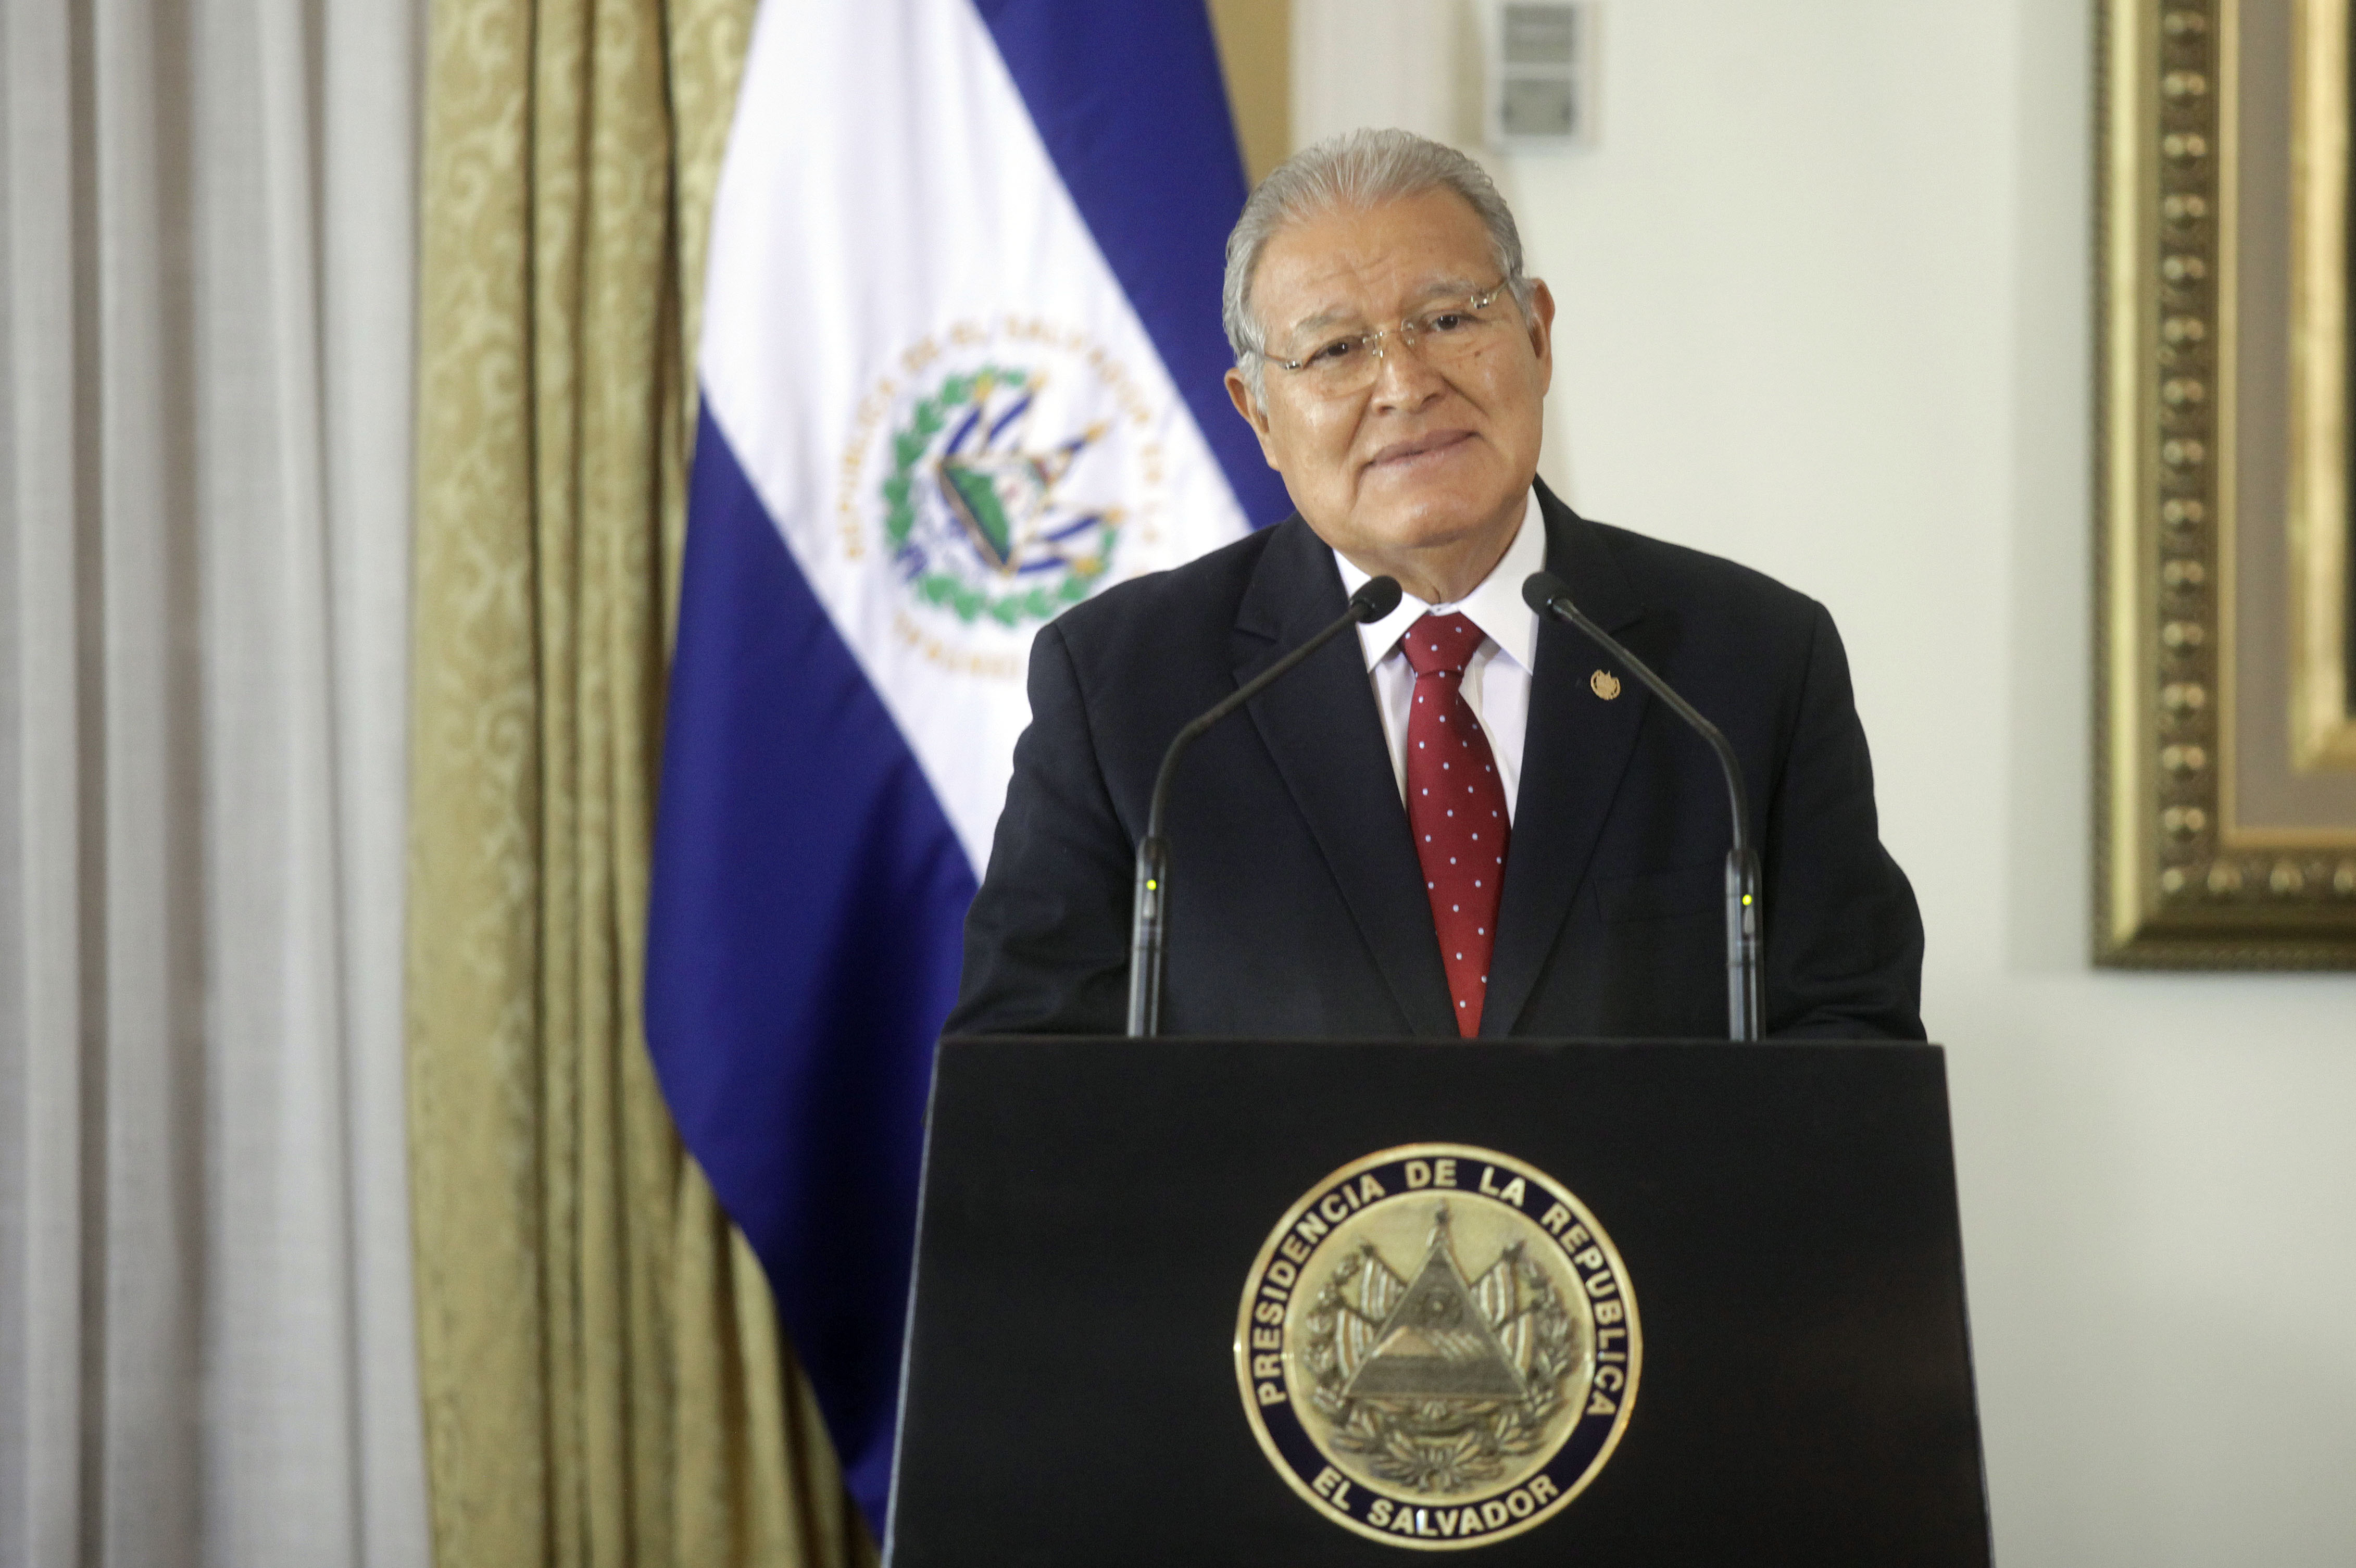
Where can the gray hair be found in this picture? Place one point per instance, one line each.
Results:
(1353, 172)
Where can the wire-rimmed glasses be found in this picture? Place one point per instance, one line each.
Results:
(1446, 334)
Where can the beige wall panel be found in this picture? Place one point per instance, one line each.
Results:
(1255, 50)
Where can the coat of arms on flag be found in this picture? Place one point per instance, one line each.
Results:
(1001, 465)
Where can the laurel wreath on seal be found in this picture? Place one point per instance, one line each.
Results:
(968, 603)
(1441, 1445)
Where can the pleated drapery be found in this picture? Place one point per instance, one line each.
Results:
(604, 1382)
(206, 277)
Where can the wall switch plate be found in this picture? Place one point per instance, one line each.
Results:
(1539, 93)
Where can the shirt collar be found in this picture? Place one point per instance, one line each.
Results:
(1497, 606)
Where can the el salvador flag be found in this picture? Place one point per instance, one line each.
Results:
(960, 367)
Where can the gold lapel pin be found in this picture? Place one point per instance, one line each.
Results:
(1604, 684)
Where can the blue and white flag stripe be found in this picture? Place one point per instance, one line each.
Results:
(960, 366)
(1129, 102)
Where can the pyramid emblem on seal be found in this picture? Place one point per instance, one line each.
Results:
(1436, 1343)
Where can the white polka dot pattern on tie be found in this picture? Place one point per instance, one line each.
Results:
(1463, 907)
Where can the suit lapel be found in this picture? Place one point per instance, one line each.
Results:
(1575, 749)
(1321, 726)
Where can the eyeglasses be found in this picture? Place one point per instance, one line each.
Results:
(1447, 335)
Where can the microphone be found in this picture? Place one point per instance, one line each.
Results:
(1376, 598)
(1547, 594)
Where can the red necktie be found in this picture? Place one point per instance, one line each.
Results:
(1456, 806)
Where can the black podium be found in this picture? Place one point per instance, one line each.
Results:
(1096, 1213)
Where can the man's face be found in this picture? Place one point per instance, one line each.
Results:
(1425, 464)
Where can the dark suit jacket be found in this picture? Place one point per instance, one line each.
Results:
(1297, 906)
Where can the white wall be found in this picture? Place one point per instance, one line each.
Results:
(1825, 309)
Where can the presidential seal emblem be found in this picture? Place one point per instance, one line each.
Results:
(1437, 1348)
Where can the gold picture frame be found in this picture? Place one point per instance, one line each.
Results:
(2225, 794)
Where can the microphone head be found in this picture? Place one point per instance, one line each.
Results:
(1540, 589)
(1376, 598)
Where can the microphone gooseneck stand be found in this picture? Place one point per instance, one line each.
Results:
(1376, 598)
(1547, 594)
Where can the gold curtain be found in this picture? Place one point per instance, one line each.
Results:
(604, 1382)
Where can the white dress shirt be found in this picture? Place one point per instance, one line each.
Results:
(1496, 678)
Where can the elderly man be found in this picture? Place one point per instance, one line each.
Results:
(1464, 821)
